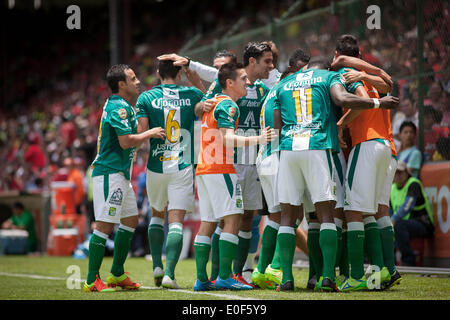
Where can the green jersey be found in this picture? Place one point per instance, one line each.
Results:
(305, 103)
(250, 110)
(118, 119)
(266, 120)
(170, 107)
(351, 87)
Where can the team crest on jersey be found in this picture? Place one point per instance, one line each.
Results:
(261, 91)
(122, 113)
(212, 86)
(232, 111)
(116, 197)
(239, 203)
(305, 76)
(112, 212)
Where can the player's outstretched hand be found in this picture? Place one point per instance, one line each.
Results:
(178, 61)
(389, 102)
(158, 133)
(209, 104)
(351, 76)
(342, 142)
(386, 78)
(267, 135)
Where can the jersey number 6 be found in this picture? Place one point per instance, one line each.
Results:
(172, 127)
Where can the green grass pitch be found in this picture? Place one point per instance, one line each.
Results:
(49, 278)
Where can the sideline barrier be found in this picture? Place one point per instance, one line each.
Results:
(435, 178)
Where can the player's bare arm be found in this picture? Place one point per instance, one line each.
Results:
(232, 140)
(194, 79)
(359, 64)
(342, 98)
(178, 61)
(352, 76)
(204, 106)
(133, 140)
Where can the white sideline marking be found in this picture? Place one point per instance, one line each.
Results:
(39, 277)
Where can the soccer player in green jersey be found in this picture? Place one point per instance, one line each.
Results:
(307, 137)
(170, 177)
(267, 166)
(258, 62)
(113, 195)
(367, 204)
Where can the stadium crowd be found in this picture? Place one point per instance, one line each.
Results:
(55, 138)
(60, 119)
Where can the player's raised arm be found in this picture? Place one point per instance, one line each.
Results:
(194, 78)
(352, 76)
(359, 64)
(205, 72)
(342, 98)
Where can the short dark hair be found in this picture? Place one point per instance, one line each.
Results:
(288, 72)
(299, 55)
(18, 205)
(408, 124)
(319, 62)
(226, 53)
(347, 45)
(274, 49)
(228, 71)
(167, 70)
(115, 74)
(255, 50)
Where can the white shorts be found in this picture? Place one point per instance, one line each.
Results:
(341, 169)
(175, 188)
(113, 197)
(219, 195)
(251, 186)
(367, 167)
(268, 175)
(310, 170)
(387, 183)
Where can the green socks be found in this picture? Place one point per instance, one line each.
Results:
(174, 244)
(228, 244)
(241, 251)
(355, 245)
(276, 264)
(315, 253)
(215, 254)
(328, 245)
(343, 261)
(338, 223)
(373, 242)
(156, 241)
(202, 247)
(387, 243)
(122, 242)
(96, 254)
(268, 244)
(287, 243)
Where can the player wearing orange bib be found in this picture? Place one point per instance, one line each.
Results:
(373, 158)
(218, 189)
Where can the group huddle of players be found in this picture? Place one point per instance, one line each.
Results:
(311, 142)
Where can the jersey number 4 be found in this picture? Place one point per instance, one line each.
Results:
(302, 99)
